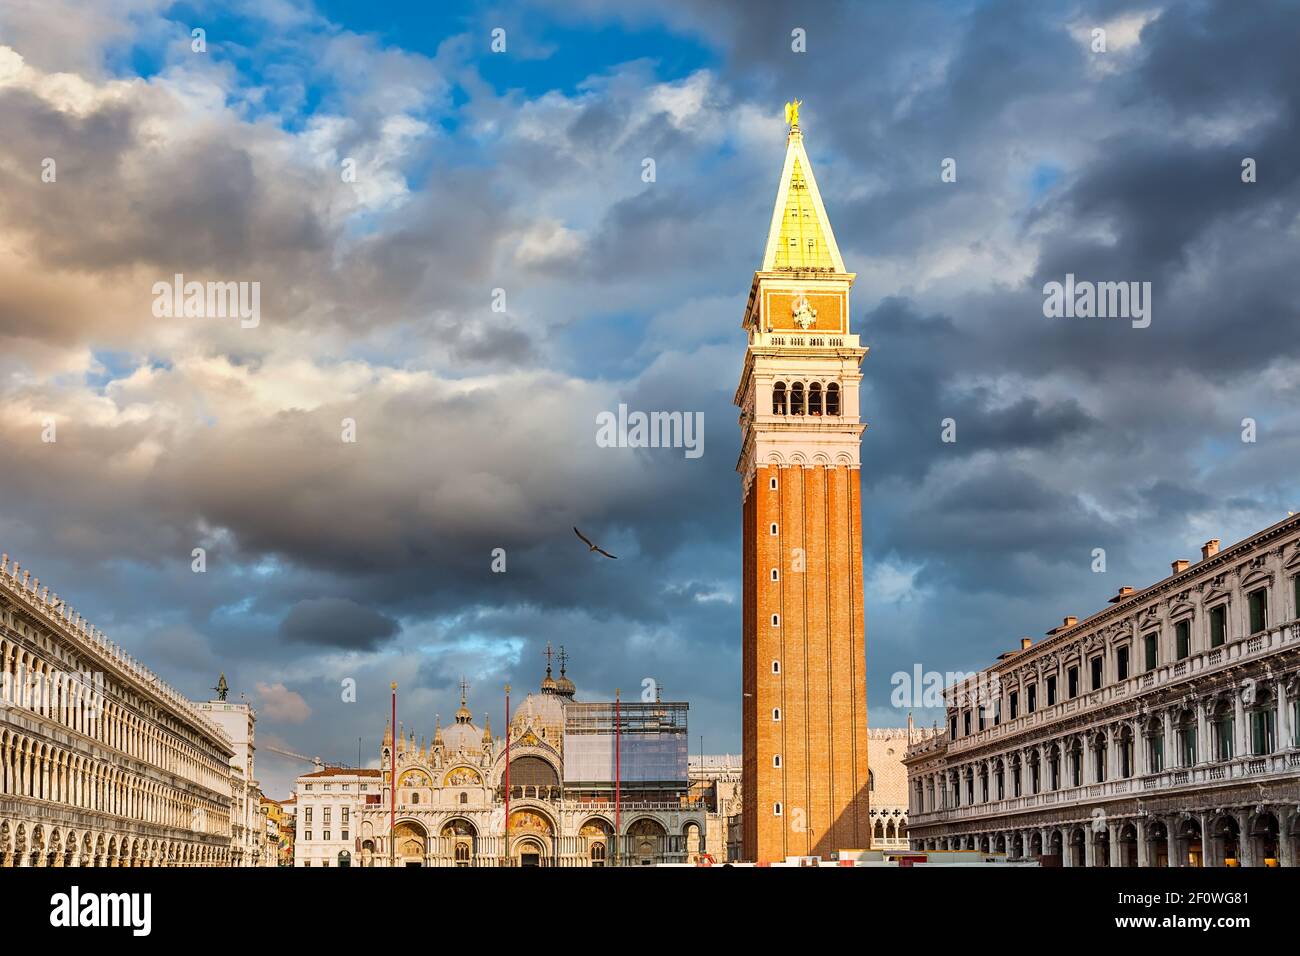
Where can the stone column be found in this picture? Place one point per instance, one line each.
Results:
(1284, 815)
(1283, 718)
(1171, 833)
(1143, 851)
(1245, 850)
(1113, 847)
(1240, 732)
(1203, 748)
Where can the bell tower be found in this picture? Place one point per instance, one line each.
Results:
(804, 705)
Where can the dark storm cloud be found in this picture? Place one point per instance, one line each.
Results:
(336, 622)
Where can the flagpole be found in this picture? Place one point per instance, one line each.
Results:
(392, 783)
(618, 779)
(506, 852)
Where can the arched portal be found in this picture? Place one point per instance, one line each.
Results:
(597, 835)
(1265, 842)
(458, 840)
(1190, 849)
(645, 842)
(410, 840)
(531, 837)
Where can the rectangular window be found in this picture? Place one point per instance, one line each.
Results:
(346, 811)
(966, 723)
(1051, 690)
(1121, 663)
(1261, 732)
(997, 712)
(1072, 682)
(1223, 737)
(1188, 741)
(952, 727)
(1151, 646)
(1258, 610)
(1219, 625)
(1096, 664)
(1031, 698)
(1015, 704)
(1157, 754)
(327, 835)
(1183, 635)
(343, 836)
(307, 817)
(307, 836)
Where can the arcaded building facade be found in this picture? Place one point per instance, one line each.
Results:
(1161, 731)
(803, 645)
(101, 763)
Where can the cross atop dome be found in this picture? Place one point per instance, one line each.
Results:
(564, 687)
(463, 716)
(548, 682)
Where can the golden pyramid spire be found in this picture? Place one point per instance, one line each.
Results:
(800, 237)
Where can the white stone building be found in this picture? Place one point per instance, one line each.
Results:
(238, 720)
(101, 763)
(1161, 731)
(329, 803)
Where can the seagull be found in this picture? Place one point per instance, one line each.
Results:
(592, 547)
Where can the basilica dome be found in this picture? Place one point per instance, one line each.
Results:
(462, 735)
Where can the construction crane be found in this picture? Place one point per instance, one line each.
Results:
(290, 753)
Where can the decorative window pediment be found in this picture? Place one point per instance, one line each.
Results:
(1257, 578)
(1213, 595)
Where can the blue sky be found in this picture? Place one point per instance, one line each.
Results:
(521, 171)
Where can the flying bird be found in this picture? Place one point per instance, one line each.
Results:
(592, 547)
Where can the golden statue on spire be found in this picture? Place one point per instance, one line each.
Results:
(792, 113)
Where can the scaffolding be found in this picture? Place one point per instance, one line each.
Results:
(652, 753)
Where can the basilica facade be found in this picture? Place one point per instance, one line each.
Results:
(445, 801)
